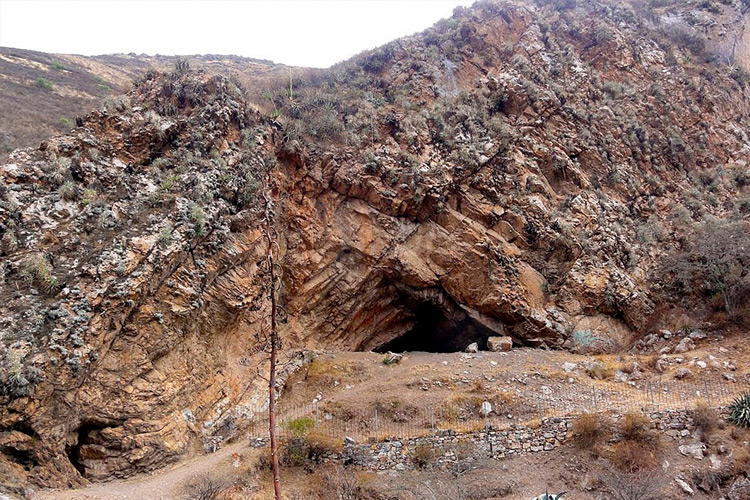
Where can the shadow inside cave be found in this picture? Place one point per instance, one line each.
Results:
(439, 329)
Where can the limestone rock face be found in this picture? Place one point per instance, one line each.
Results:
(500, 178)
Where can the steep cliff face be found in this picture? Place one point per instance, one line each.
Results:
(516, 170)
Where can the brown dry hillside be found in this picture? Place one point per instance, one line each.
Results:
(41, 94)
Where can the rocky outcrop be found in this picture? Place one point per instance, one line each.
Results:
(513, 172)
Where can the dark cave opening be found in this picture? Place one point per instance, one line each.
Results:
(440, 330)
(22, 453)
(85, 436)
(22, 457)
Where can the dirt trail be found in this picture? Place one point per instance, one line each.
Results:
(164, 484)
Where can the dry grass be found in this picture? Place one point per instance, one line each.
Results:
(559, 375)
(396, 410)
(459, 407)
(648, 362)
(591, 430)
(705, 419)
(740, 460)
(204, 487)
(340, 411)
(321, 444)
(632, 456)
(322, 373)
(505, 398)
(640, 447)
(420, 369)
(636, 485)
(636, 427)
(739, 434)
(422, 455)
(326, 483)
(602, 370)
(478, 386)
(606, 365)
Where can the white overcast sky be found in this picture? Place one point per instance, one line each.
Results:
(295, 32)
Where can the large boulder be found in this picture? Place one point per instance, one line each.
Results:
(496, 344)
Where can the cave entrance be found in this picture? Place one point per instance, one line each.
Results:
(439, 329)
(22, 452)
(86, 435)
(22, 457)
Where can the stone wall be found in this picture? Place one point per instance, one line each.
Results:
(446, 447)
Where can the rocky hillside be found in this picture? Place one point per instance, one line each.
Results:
(571, 174)
(42, 94)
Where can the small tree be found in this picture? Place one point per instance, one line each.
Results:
(640, 485)
(204, 487)
(715, 261)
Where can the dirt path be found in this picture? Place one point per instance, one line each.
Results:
(164, 484)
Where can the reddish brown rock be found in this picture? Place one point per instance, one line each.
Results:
(497, 344)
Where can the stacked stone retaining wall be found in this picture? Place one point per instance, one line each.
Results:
(445, 448)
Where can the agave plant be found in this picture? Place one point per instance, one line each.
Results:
(548, 496)
(739, 411)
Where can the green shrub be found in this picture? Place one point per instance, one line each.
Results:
(169, 183)
(739, 411)
(165, 235)
(181, 65)
(300, 426)
(38, 271)
(198, 219)
(294, 452)
(373, 163)
(43, 83)
(58, 66)
(249, 189)
(16, 379)
(89, 195)
(154, 198)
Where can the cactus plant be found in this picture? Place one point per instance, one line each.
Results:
(739, 411)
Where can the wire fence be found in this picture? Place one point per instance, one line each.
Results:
(470, 413)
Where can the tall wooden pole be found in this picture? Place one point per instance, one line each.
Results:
(274, 347)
